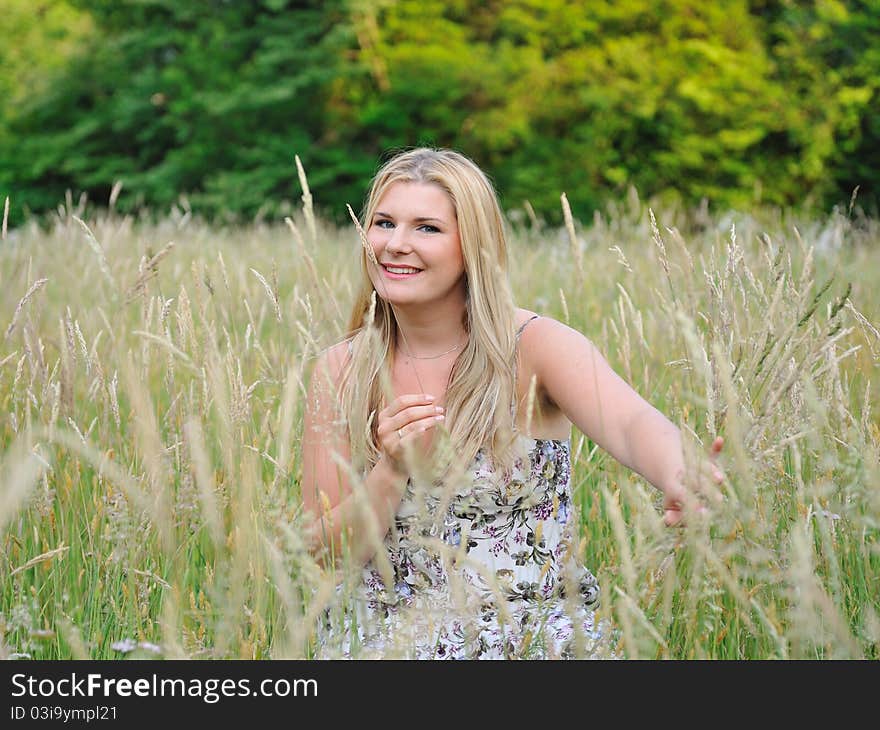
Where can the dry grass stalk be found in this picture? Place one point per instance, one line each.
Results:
(576, 251)
(99, 252)
(114, 194)
(271, 291)
(307, 199)
(42, 558)
(147, 270)
(34, 288)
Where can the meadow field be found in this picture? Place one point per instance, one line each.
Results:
(152, 380)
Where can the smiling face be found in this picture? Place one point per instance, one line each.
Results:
(414, 234)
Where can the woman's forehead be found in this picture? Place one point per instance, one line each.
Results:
(417, 200)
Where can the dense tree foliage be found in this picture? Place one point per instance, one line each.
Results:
(736, 102)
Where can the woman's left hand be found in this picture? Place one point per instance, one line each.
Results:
(695, 484)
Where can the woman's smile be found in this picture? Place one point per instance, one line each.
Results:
(400, 272)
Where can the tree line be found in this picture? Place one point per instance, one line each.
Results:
(737, 103)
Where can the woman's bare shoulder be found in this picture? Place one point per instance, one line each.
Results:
(532, 328)
(332, 360)
(543, 336)
(530, 322)
(524, 315)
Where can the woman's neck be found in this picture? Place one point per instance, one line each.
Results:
(429, 330)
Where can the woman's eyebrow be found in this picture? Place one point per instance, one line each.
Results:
(420, 219)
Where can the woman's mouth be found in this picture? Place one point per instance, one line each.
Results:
(400, 272)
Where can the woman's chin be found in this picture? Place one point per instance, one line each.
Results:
(396, 299)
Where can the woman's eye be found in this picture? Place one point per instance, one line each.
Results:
(429, 229)
(383, 223)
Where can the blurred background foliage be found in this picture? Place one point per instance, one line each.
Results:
(738, 104)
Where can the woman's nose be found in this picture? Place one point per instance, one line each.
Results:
(397, 240)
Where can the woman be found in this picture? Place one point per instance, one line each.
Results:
(436, 454)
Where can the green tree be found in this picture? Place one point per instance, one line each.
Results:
(40, 38)
(586, 98)
(739, 102)
(207, 98)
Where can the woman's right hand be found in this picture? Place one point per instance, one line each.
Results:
(401, 424)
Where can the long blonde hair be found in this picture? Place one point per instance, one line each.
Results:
(481, 386)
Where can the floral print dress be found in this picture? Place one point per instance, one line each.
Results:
(489, 572)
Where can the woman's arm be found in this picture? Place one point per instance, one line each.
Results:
(341, 520)
(576, 377)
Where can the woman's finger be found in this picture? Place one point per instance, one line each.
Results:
(414, 428)
(671, 517)
(406, 401)
(397, 444)
(703, 481)
(391, 438)
(710, 486)
(412, 414)
(675, 515)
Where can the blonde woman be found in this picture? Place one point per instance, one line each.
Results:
(436, 458)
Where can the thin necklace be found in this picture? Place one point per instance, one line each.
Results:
(431, 357)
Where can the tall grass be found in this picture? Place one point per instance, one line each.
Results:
(152, 378)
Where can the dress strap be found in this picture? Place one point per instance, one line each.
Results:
(513, 398)
(523, 325)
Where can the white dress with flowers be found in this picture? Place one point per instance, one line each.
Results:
(489, 572)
